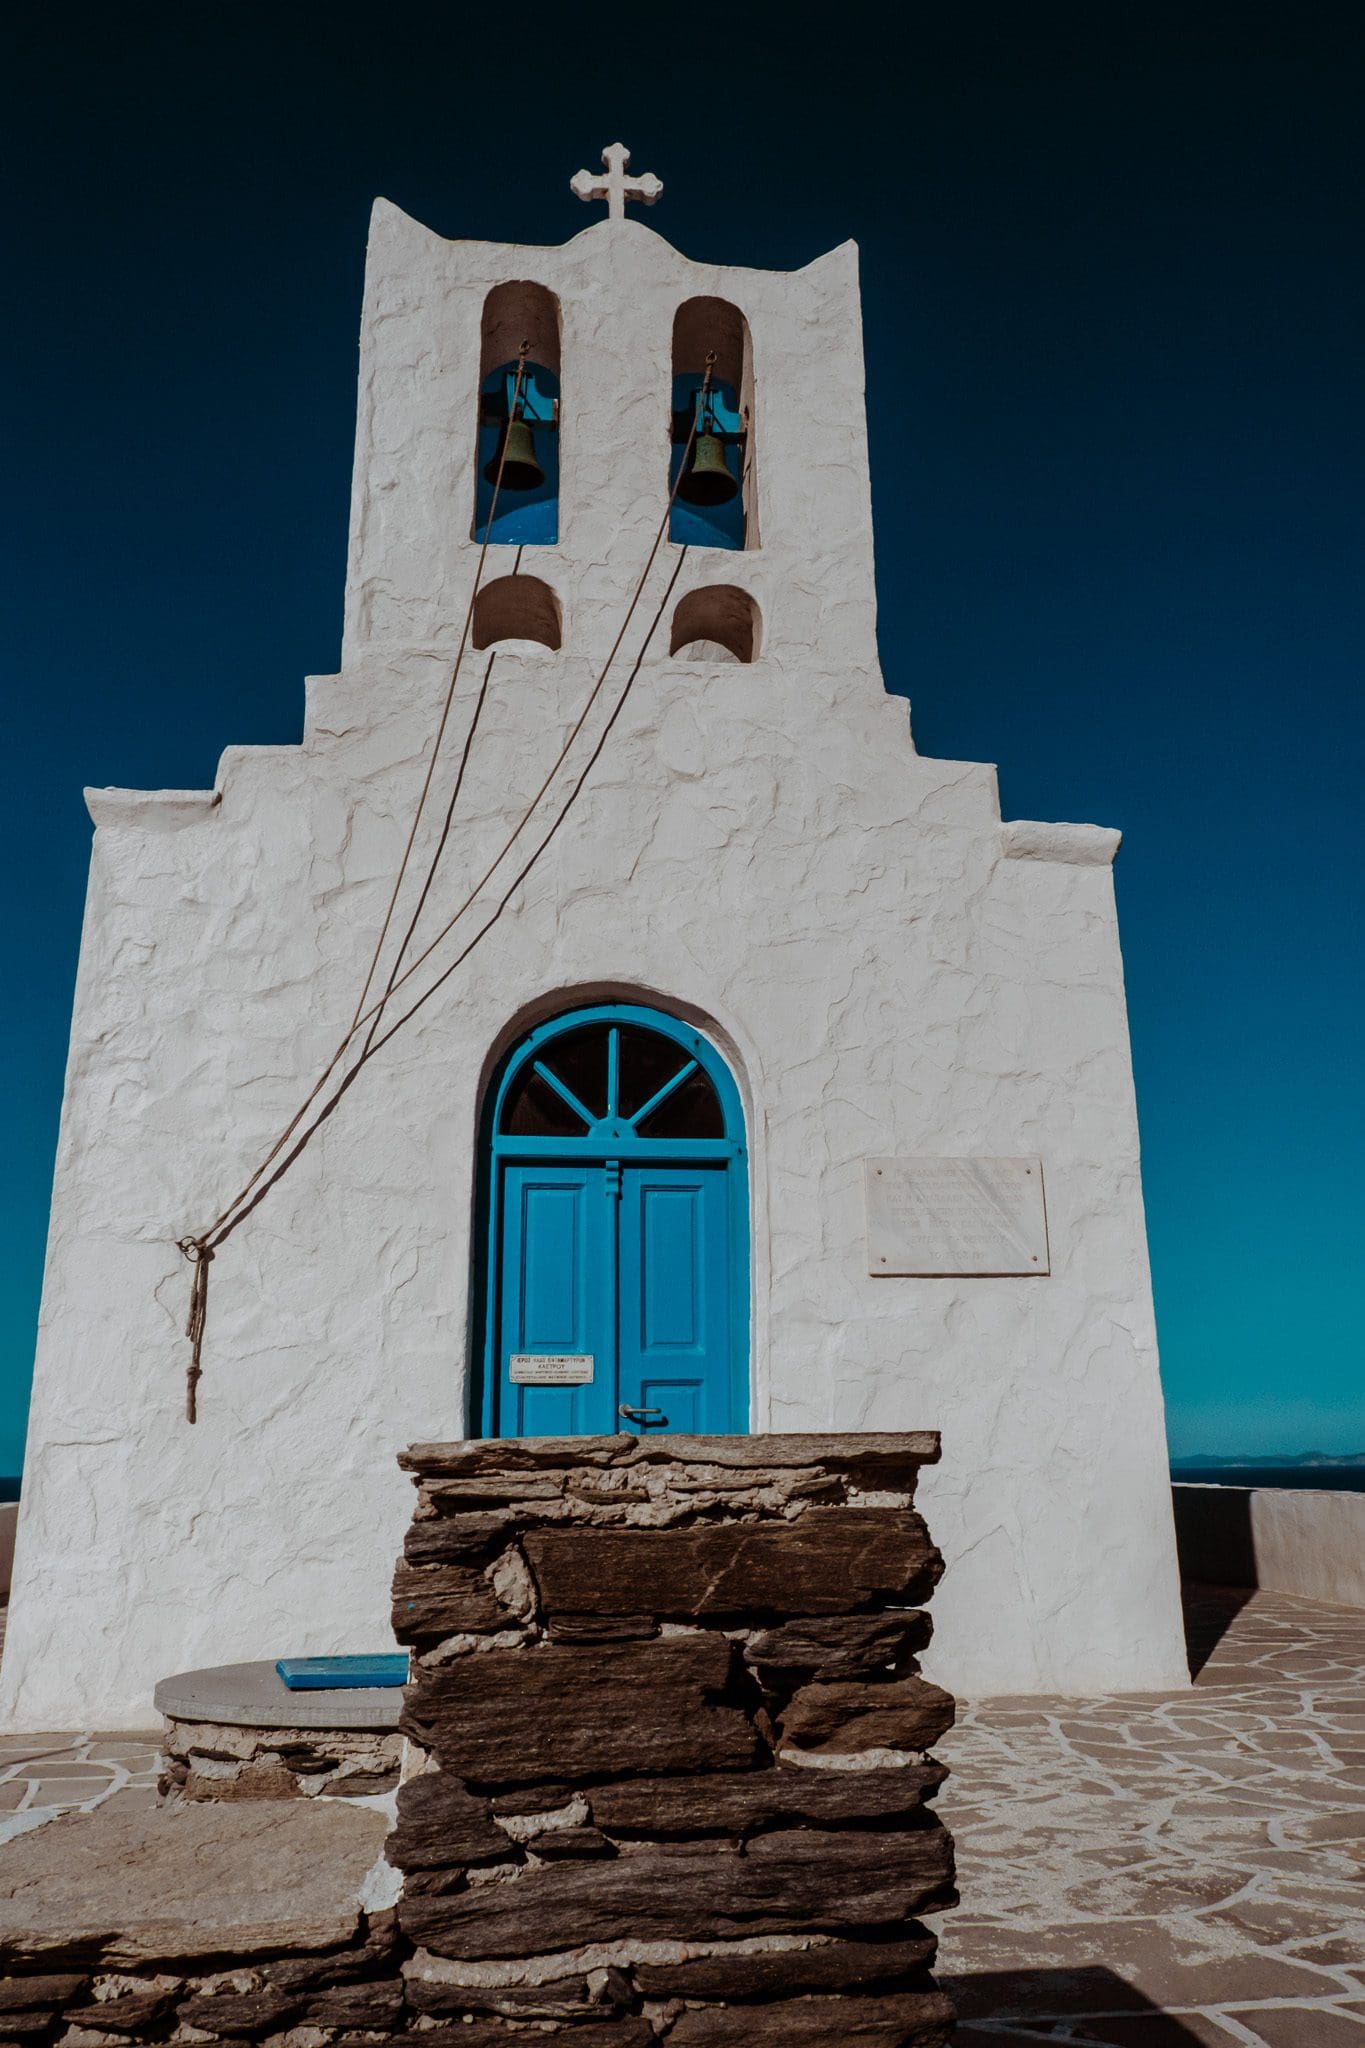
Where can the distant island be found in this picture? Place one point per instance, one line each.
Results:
(1301, 1460)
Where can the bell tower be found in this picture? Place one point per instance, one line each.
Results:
(738, 392)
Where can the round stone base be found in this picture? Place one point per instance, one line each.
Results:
(238, 1732)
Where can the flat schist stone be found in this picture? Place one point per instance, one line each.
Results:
(867, 1454)
(797, 1881)
(131, 1887)
(255, 1696)
(911, 2020)
(556, 1713)
(825, 1562)
(786, 1973)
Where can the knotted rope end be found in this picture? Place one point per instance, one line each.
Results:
(200, 1255)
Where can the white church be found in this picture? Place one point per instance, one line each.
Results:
(731, 1066)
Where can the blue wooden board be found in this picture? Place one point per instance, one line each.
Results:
(336, 1674)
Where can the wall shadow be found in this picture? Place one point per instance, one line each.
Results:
(1214, 1538)
(1089, 2008)
(1209, 1613)
(1216, 1545)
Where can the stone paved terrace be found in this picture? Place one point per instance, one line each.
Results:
(1179, 1871)
(44, 1775)
(1176, 1869)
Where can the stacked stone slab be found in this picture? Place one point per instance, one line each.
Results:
(137, 1924)
(222, 1760)
(670, 1765)
(339, 1994)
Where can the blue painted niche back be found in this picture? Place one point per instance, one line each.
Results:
(712, 415)
(615, 1258)
(527, 513)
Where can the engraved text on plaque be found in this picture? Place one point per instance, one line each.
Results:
(956, 1216)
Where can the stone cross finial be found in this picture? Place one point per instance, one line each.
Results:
(613, 185)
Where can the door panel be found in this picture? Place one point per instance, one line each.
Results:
(552, 1280)
(677, 1401)
(556, 1297)
(676, 1322)
(672, 1280)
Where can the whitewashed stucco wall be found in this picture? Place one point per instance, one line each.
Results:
(888, 967)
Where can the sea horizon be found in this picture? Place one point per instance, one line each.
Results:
(1323, 1475)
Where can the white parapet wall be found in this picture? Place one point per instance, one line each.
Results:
(1281, 1539)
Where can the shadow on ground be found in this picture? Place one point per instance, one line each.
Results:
(1089, 2008)
(1216, 1544)
(1209, 1613)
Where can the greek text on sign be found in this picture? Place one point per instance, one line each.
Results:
(975, 1217)
(551, 1368)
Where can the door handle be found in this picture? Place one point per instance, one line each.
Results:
(642, 1414)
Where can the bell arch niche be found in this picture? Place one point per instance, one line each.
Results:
(518, 424)
(717, 623)
(612, 1252)
(715, 504)
(517, 608)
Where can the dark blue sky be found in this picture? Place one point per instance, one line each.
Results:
(1112, 262)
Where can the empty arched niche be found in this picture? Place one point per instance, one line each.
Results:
(517, 608)
(715, 504)
(719, 623)
(518, 422)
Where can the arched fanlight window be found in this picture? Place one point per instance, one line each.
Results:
(714, 506)
(615, 1081)
(518, 422)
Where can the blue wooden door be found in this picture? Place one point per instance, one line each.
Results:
(674, 1311)
(618, 1261)
(557, 1301)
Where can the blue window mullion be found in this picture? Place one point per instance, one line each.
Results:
(565, 1094)
(662, 1094)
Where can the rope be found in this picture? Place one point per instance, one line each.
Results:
(294, 1122)
(200, 1250)
(217, 1231)
(349, 1079)
(522, 354)
(440, 848)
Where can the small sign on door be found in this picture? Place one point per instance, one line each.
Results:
(550, 1369)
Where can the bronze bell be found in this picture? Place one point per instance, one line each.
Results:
(707, 479)
(520, 469)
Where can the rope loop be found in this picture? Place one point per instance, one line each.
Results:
(200, 1251)
(200, 1256)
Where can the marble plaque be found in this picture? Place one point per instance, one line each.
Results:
(550, 1368)
(956, 1216)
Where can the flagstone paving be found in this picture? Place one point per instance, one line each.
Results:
(1170, 1869)
(1162, 1871)
(42, 1776)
